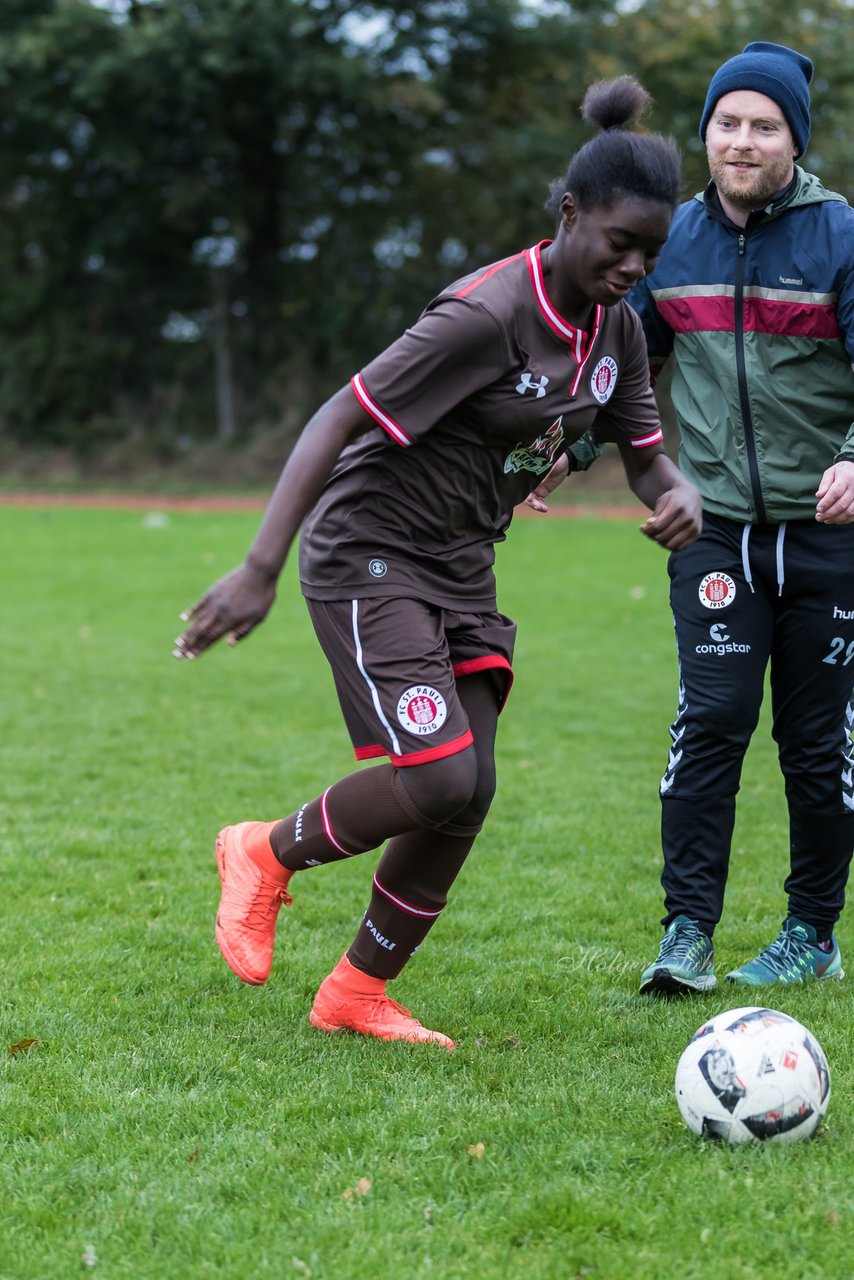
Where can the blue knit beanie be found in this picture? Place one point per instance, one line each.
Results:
(780, 73)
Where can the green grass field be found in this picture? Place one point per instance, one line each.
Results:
(170, 1122)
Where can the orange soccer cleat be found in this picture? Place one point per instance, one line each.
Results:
(349, 1000)
(254, 886)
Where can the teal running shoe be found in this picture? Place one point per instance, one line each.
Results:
(793, 956)
(685, 961)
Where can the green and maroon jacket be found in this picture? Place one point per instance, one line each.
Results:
(760, 322)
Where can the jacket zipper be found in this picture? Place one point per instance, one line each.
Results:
(741, 375)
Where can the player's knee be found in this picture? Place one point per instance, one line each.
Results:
(718, 743)
(728, 723)
(473, 814)
(440, 789)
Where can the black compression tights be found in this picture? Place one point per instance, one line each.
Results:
(417, 869)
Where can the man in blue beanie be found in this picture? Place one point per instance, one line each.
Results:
(781, 74)
(753, 298)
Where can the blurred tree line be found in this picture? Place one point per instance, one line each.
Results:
(214, 211)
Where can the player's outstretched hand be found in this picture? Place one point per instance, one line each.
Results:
(231, 607)
(677, 520)
(536, 499)
(835, 495)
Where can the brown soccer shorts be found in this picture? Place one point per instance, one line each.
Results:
(396, 662)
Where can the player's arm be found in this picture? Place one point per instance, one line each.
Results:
(658, 336)
(835, 491)
(676, 505)
(235, 604)
(835, 494)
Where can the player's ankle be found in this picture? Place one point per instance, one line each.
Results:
(347, 975)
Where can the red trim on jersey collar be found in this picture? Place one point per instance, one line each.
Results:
(577, 339)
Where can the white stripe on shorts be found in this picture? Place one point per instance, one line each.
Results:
(375, 697)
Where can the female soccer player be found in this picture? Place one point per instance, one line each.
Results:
(406, 478)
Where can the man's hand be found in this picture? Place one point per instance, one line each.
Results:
(677, 519)
(835, 495)
(233, 606)
(536, 499)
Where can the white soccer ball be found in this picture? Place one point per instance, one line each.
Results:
(753, 1075)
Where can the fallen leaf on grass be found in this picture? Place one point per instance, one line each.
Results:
(22, 1047)
(361, 1188)
(193, 1156)
(832, 1217)
(477, 1150)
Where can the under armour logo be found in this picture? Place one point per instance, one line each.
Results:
(528, 384)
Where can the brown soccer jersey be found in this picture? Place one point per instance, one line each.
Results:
(473, 404)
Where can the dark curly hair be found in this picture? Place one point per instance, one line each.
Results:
(616, 162)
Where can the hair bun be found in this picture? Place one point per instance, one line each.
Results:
(612, 104)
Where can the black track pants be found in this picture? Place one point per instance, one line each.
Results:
(744, 595)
